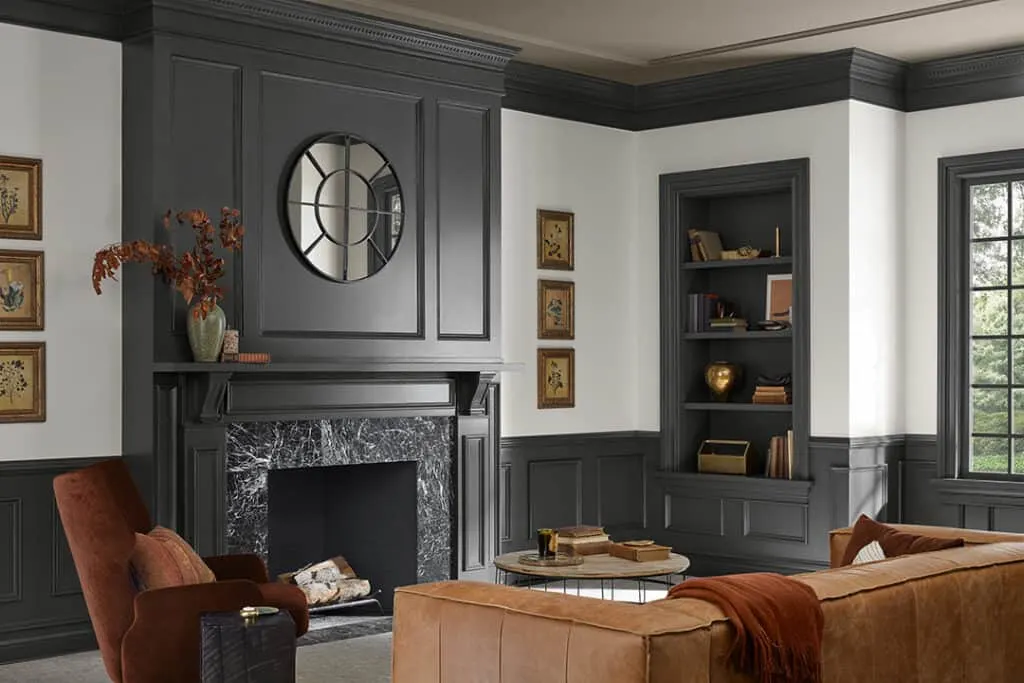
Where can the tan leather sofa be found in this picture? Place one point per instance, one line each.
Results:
(951, 615)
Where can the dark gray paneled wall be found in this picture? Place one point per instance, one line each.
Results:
(42, 611)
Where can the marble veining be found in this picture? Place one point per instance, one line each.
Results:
(255, 448)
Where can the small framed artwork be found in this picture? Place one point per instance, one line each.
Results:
(555, 240)
(21, 198)
(556, 378)
(23, 382)
(556, 309)
(21, 290)
(779, 298)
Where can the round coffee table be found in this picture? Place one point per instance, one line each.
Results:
(595, 568)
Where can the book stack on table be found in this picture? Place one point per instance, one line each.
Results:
(583, 540)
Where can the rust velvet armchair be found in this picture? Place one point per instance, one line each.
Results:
(149, 636)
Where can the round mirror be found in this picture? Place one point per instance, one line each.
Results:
(344, 208)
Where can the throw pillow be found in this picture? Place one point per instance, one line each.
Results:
(872, 552)
(894, 543)
(162, 559)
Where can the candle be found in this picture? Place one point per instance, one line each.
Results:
(778, 252)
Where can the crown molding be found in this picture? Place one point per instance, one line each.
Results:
(566, 95)
(92, 18)
(978, 77)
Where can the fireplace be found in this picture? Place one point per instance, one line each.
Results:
(376, 490)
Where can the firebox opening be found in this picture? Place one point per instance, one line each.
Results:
(366, 513)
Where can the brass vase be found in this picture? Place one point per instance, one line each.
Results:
(721, 377)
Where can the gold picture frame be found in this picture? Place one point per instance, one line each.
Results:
(21, 198)
(22, 294)
(556, 378)
(555, 248)
(22, 382)
(556, 309)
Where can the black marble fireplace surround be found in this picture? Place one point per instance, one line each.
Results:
(376, 490)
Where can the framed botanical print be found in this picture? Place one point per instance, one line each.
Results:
(21, 198)
(21, 290)
(555, 240)
(22, 382)
(556, 309)
(556, 378)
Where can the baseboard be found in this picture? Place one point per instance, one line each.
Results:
(60, 640)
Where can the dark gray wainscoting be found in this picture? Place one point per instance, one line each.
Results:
(566, 479)
(42, 611)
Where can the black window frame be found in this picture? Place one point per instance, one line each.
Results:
(956, 176)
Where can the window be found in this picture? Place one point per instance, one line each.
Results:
(981, 311)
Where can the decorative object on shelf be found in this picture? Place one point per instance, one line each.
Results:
(744, 253)
(194, 273)
(556, 309)
(229, 352)
(22, 382)
(646, 552)
(254, 358)
(721, 377)
(778, 242)
(555, 247)
(705, 245)
(773, 390)
(779, 298)
(723, 456)
(21, 290)
(21, 198)
(556, 378)
(770, 326)
(709, 312)
(547, 543)
(345, 207)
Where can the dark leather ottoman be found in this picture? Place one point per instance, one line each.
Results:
(259, 652)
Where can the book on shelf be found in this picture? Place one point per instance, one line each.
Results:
(705, 245)
(709, 312)
(779, 464)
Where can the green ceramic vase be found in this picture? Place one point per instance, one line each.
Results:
(206, 336)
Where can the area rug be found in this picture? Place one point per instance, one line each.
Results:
(355, 660)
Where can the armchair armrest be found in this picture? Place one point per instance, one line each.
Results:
(163, 643)
(246, 566)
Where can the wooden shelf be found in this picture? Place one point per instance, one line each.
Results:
(740, 336)
(766, 262)
(736, 406)
(739, 486)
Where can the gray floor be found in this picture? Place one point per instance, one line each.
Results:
(357, 660)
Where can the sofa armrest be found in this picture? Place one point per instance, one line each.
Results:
(245, 566)
(163, 643)
(839, 538)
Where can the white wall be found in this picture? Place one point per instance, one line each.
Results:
(62, 103)
(590, 171)
(820, 133)
(930, 135)
(876, 265)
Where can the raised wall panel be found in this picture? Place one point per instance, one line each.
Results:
(12, 556)
(293, 112)
(205, 149)
(505, 502)
(1008, 519)
(315, 396)
(474, 503)
(695, 515)
(771, 521)
(204, 513)
(554, 494)
(64, 578)
(463, 221)
(621, 495)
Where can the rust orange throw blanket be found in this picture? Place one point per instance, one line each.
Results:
(778, 623)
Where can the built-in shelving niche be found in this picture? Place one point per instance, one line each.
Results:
(744, 205)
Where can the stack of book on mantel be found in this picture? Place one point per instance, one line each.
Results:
(773, 390)
(583, 540)
(780, 457)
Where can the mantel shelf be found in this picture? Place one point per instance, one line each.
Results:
(352, 366)
(751, 407)
(766, 262)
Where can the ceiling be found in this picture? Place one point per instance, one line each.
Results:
(641, 41)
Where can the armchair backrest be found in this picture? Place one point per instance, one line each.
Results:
(101, 509)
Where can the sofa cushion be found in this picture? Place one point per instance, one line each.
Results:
(162, 559)
(872, 552)
(893, 542)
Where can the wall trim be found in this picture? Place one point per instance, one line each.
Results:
(856, 442)
(92, 18)
(850, 74)
(574, 439)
